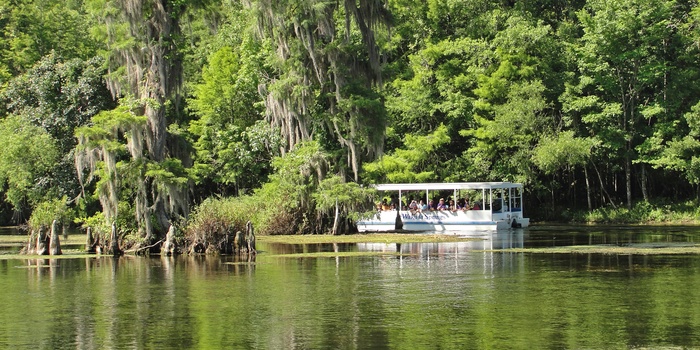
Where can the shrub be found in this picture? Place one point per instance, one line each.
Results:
(46, 212)
(210, 225)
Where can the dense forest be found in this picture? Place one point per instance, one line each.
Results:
(150, 113)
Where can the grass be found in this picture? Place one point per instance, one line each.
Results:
(20, 240)
(657, 212)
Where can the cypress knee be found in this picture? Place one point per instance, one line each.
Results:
(250, 237)
(169, 245)
(114, 245)
(41, 238)
(55, 244)
(238, 242)
(89, 241)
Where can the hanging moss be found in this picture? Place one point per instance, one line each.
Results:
(317, 67)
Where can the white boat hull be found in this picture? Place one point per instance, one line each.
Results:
(462, 221)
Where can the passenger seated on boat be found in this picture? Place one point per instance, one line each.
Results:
(496, 205)
(454, 206)
(441, 205)
(413, 206)
(395, 203)
(422, 206)
(385, 205)
(461, 203)
(476, 206)
(466, 206)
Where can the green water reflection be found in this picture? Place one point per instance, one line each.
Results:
(445, 295)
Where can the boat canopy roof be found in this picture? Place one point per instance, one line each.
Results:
(447, 186)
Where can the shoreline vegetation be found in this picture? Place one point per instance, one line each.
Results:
(75, 246)
(642, 213)
(231, 118)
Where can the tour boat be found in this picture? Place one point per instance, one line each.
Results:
(490, 206)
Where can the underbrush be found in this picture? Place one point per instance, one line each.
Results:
(213, 222)
(661, 212)
(210, 225)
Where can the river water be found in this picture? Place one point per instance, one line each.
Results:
(466, 295)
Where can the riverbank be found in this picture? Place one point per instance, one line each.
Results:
(74, 245)
(21, 240)
(642, 213)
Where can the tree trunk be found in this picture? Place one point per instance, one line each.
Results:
(645, 195)
(335, 220)
(114, 244)
(30, 249)
(602, 186)
(238, 243)
(154, 75)
(588, 189)
(250, 237)
(169, 245)
(89, 241)
(41, 239)
(628, 178)
(55, 244)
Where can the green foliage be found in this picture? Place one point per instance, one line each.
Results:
(27, 158)
(59, 95)
(229, 92)
(234, 156)
(297, 175)
(457, 90)
(410, 164)
(298, 198)
(440, 88)
(32, 29)
(55, 209)
(644, 212)
(112, 150)
(325, 72)
(109, 129)
(97, 222)
(233, 146)
(349, 198)
(562, 151)
(213, 220)
(680, 154)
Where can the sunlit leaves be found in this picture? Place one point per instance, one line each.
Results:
(440, 88)
(229, 92)
(679, 154)
(32, 29)
(411, 163)
(562, 151)
(52, 209)
(28, 154)
(348, 197)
